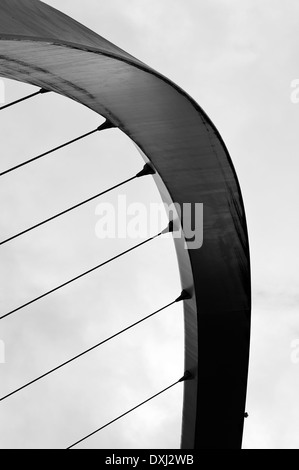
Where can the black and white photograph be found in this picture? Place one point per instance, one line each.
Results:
(149, 227)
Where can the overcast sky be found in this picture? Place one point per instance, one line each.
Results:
(237, 59)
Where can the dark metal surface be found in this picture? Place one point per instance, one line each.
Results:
(41, 46)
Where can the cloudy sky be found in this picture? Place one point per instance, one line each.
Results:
(237, 59)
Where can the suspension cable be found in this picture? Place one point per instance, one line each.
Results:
(184, 295)
(169, 229)
(40, 92)
(106, 125)
(146, 171)
(65, 211)
(187, 376)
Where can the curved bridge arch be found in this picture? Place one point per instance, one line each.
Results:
(46, 48)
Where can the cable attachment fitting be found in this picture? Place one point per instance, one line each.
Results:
(106, 125)
(184, 296)
(169, 228)
(44, 90)
(148, 169)
(187, 376)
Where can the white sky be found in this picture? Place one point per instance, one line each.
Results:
(237, 60)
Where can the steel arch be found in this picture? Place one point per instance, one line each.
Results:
(41, 46)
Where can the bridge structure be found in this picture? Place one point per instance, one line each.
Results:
(43, 47)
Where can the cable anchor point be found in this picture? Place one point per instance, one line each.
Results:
(169, 228)
(43, 91)
(185, 295)
(106, 125)
(187, 376)
(148, 169)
